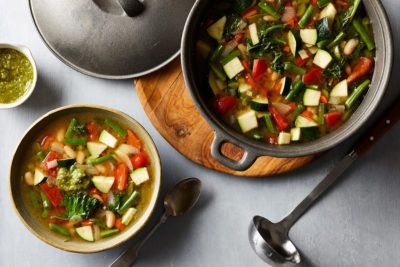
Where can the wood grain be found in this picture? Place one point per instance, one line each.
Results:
(171, 110)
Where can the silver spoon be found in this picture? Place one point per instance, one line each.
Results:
(270, 240)
(179, 200)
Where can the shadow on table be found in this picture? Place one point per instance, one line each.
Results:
(45, 96)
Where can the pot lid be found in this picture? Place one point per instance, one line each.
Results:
(112, 39)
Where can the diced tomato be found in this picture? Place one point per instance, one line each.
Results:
(133, 140)
(56, 220)
(280, 121)
(362, 68)
(87, 223)
(314, 76)
(249, 12)
(46, 142)
(52, 155)
(333, 118)
(342, 3)
(93, 130)
(286, 49)
(271, 139)
(225, 103)
(260, 66)
(121, 177)
(93, 191)
(300, 62)
(239, 37)
(293, 23)
(323, 99)
(104, 197)
(56, 211)
(313, 2)
(53, 194)
(307, 114)
(119, 224)
(140, 160)
(246, 65)
(293, 106)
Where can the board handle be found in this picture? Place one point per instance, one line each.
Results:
(132, 7)
(247, 160)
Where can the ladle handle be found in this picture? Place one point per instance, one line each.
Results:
(323, 186)
(381, 126)
(129, 256)
(132, 7)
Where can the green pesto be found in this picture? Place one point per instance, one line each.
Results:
(71, 180)
(16, 75)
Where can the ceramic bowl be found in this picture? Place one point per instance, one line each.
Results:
(24, 50)
(41, 231)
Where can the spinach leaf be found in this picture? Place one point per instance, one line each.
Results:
(232, 25)
(79, 205)
(241, 5)
(80, 129)
(349, 14)
(276, 64)
(324, 32)
(336, 70)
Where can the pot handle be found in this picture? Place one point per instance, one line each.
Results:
(132, 7)
(249, 157)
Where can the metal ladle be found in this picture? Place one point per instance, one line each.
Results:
(271, 241)
(179, 200)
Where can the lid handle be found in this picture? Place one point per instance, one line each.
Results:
(132, 7)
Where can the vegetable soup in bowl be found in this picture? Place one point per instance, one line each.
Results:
(85, 178)
(285, 78)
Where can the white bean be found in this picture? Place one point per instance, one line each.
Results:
(70, 152)
(110, 219)
(57, 147)
(350, 46)
(269, 18)
(29, 179)
(80, 157)
(60, 135)
(101, 168)
(96, 232)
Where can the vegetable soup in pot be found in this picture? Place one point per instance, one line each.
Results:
(285, 71)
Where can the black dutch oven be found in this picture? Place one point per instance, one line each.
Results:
(195, 75)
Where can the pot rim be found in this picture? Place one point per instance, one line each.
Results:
(380, 80)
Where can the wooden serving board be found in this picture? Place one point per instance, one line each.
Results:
(171, 110)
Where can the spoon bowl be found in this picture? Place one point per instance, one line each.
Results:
(271, 243)
(182, 197)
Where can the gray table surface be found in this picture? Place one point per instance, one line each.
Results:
(356, 224)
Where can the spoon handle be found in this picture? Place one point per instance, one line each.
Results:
(129, 256)
(379, 128)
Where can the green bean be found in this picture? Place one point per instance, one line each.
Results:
(322, 3)
(307, 16)
(217, 53)
(219, 73)
(232, 55)
(295, 69)
(70, 128)
(269, 123)
(299, 86)
(362, 31)
(59, 229)
(321, 113)
(297, 111)
(337, 40)
(45, 201)
(115, 127)
(34, 199)
(267, 8)
(75, 141)
(100, 160)
(273, 28)
(357, 93)
(129, 202)
(108, 232)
